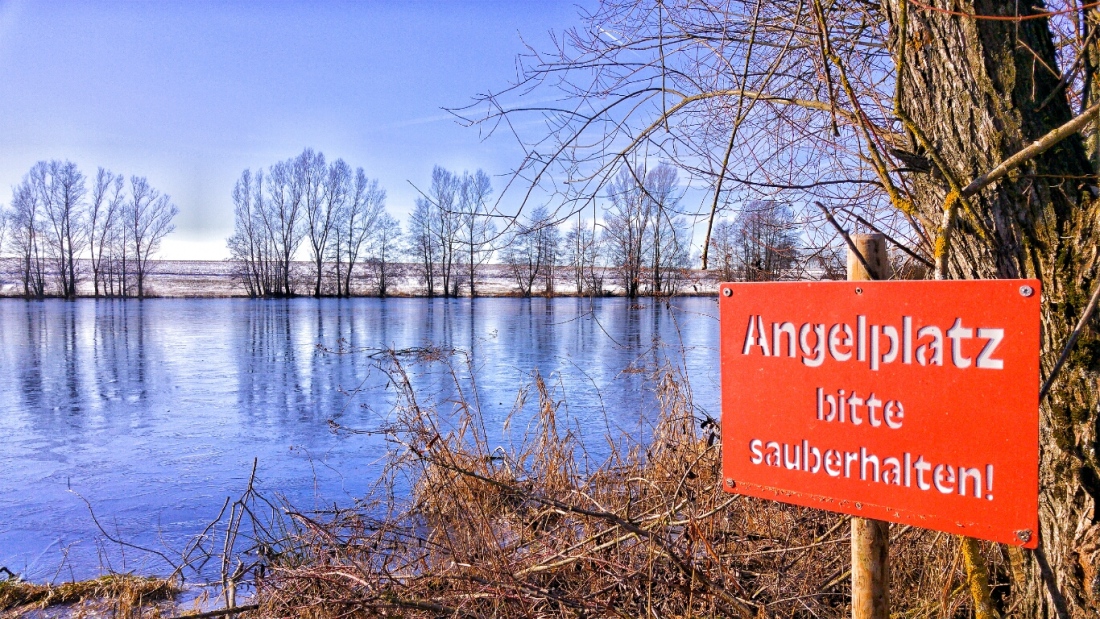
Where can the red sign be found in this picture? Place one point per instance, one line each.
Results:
(911, 401)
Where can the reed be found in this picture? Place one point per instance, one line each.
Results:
(540, 527)
(536, 529)
(122, 596)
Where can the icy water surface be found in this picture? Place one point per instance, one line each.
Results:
(153, 411)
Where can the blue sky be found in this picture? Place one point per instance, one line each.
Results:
(189, 94)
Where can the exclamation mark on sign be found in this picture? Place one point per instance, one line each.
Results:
(989, 481)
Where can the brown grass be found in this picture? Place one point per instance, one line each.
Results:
(534, 531)
(117, 595)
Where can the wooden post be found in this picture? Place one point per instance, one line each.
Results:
(873, 248)
(870, 538)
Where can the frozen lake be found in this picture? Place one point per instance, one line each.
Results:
(153, 411)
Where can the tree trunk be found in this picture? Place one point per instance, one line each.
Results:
(975, 87)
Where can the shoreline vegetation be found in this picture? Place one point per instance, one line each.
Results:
(544, 527)
(308, 226)
(116, 595)
(221, 279)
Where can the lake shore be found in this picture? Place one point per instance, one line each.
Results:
(218, 279)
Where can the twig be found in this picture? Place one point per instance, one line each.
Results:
(744, 607)
(1070, 342)
(1036, 148)
(847, 239)
(115, 540)
(220, 612)
(896, 243)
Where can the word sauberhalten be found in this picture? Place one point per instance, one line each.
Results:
(876, 345)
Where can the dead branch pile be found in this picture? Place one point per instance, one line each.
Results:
(532, 531)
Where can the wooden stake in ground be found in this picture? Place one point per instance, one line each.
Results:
(870, 538)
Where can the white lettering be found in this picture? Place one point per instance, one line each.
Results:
(789, 463)
(861, 338)
(867, 466)
(835, 343)
(891, 471)
(816, 453)
(972, 474)
(854, 402)
(895, 413)
(931, 352)
(756, 336)
(865, 459)
(818, 349)
(891, 334)
(850, 458)
(922, 466)
(907, 339)
(773, 458)
(757, 455)
(876, 344)
(956, 334)
(779, 329)
(985, 358)
(944, 478)
(873, 404)
(750, 335)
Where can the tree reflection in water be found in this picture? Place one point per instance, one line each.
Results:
(154, 410)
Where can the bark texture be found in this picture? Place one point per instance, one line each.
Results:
(974, 88)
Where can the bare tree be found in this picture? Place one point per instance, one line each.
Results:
(269, 227)
(356, 224)
(583, 255)
(309, 186)
(765, 241)
(119, 267)
(532, 251)
(647, 238)
(281, 210)
(723, 250)
(57, 223)
(668, 235)
(445, 224)
(435, 226)
(5, 219)
(382, 250)
(336, 191)
(422, 246)
(60, 189)
(148, 220)
(476, 225)
(104, 214)
(27, 236)
(251, 247)
(626, 224)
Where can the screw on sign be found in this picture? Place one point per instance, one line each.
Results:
(906, 401)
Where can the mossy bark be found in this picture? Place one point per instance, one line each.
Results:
(976, 89)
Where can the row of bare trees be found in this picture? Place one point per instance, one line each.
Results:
(644, 241)
(337, 218)
(59, 229)
(451, 230)
(339, 214)
(760, 244)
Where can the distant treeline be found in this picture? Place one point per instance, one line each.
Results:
(65, 229)
(641, 245)
(56, 221)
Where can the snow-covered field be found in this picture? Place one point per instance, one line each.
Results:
(215, 278)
